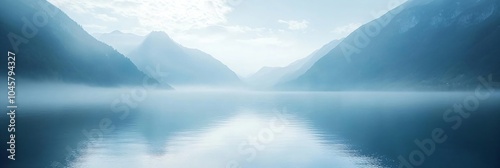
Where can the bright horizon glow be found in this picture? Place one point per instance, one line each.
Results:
(246, 35)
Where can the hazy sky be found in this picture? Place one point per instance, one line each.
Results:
(244, 34)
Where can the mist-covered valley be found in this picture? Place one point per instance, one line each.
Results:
(416, 86)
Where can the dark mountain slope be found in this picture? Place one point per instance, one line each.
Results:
(430, 45)
(55, 48)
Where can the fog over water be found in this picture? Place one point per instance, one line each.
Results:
(238, 84)
(83, 126)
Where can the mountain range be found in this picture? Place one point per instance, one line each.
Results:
(123, 42)
(267, 77)
(421, 45)
(49, 46)
(183, 66)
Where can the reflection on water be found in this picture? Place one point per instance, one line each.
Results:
(224, 143)
(251, 129)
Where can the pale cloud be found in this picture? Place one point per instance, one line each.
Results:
(243, 29)
(347, 29)
(168, 15)
(220, 27)
(105, 18)
(200, 39)
(266, 41)
(295, 25)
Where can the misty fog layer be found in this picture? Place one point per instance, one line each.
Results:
(133, 126)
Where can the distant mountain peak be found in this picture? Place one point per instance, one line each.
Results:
(116, 32)
(64, 40)
(121, 41)
(158, 34)
(184, 66)
(266, 69)
(159, 38)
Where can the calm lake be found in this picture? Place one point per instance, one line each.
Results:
(103, 128)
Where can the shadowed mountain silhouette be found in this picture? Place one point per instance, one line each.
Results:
(268, 77)
(52, 47)
(183, 66)
(123, 42)
(421, 45)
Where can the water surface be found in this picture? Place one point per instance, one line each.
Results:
(99, 128)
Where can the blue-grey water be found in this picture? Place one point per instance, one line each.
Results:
(103, 128)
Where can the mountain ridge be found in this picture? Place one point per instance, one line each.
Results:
(122, 42)
(186, 66)
(432, 45)
(268, 77)
(59, 50)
